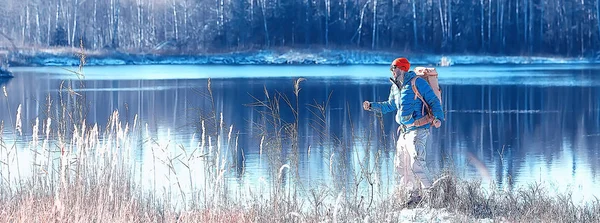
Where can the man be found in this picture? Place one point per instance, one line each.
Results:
(414, 118)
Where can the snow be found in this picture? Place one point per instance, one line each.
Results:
(431, 215)
(5, 73)
(298, 57)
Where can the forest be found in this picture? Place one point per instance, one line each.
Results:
(490, 27)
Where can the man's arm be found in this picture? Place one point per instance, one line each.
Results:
(432, 100)
(385, 106)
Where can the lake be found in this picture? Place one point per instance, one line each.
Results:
(522, 123)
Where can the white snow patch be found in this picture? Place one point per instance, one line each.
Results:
(431, 215)
(329, 57)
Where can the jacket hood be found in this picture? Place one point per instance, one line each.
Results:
(407, 76)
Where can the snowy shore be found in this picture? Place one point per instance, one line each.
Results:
(5, 73)
(279, 57)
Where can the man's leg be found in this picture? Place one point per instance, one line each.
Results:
(416, 150)
(403, 162)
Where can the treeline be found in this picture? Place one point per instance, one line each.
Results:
(505, 27)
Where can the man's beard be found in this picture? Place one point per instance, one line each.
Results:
(399, 79)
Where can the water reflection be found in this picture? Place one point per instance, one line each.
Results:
(526, 133)
(520, 133)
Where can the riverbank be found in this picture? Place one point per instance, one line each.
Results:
(69, 57)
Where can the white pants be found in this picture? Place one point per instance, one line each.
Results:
(410, 159)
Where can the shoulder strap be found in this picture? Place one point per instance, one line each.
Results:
(413, 82)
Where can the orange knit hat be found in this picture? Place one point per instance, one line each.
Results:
(401, 63)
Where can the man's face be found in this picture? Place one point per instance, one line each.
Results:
(397, 73)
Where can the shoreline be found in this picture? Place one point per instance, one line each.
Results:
(70, 57)
(5, 73)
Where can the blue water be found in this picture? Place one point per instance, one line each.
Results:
(524, 123)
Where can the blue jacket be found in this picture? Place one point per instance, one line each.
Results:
(409, 108)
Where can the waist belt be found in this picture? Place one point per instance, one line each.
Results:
(428, 119)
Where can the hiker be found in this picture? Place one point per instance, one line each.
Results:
(414, 118)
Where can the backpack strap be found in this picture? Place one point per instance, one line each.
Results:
(413, 82)
(427, 118)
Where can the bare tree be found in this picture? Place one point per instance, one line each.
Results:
(374, 24)
(176, 23)
(359, 29)
(263, 9)
(75, 9)
(327, 15)
(482, 24)
(414, 17)
(38, 30)
(116, 11)
(569, 27)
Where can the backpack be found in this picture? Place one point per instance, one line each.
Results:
(431, 76)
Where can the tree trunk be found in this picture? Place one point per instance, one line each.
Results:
(327, 15)
(165, 23)
(95, 26)
(541, 36)
(27, 26)
(264, 14)
(581, 41)
(525, 21)
(442, 25)
(423, 21)
(23, 25)
(598, 18)
(57, 14)
(449, 22)
(67, 22)
(362, 17)
(38, 29)
(138, 20)
(498, 34)
(374, 24)
(482, 24)
(502, 27)
(115, 39)
(489, 31)
(530, 27)
(307, 25)
(176, 22)
(111, 22)
(49, 28)
(414, 15)
(185, 18)
(222, 15)
(74, 23)
(153, 19)
(517, 19)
